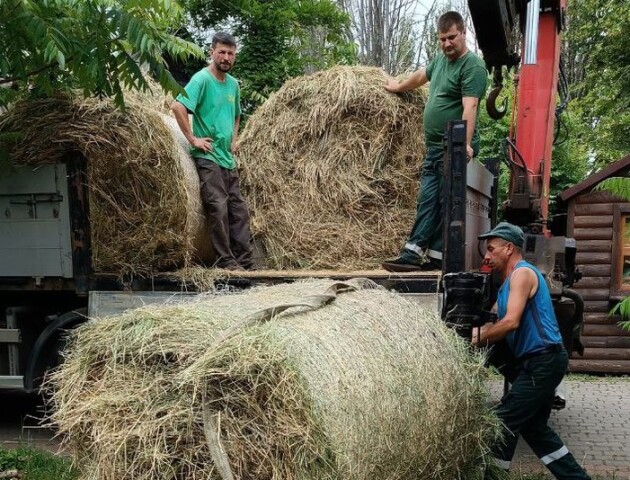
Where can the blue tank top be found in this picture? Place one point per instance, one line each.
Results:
(538, 328)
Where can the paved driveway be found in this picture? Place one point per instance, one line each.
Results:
(595, 426)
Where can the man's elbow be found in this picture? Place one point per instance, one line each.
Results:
(176, 107)
(510, 324)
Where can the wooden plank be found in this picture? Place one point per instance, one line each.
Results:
(599, 366)
(376, 273)
(570, 217)
(606, 342)
(593, 221)
(595, 271)
(601, 318)
(597, 258)
(594, 293)
(603, 331)
(605, 354)
(594, 282)
(605, 233)
(596, 197)
(594, 245)
(597, 306)
(593, 209)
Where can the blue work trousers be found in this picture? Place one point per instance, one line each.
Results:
(426, 233)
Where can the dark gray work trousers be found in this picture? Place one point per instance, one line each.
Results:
(426, 233)
(525, 411)
(227, 213)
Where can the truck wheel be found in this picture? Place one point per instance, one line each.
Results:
(45, 353)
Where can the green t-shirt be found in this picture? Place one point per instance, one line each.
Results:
(450, 82)
(214, 106)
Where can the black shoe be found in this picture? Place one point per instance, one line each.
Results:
(401, 264)
(431, 265)
(232, 266)
(559, 402)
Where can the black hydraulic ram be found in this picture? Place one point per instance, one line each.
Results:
(464, 294)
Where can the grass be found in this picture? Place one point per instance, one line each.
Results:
(34, 464)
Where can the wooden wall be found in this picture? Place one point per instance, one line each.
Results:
(607, 347)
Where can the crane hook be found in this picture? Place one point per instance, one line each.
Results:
(491, 102)
(494, 112)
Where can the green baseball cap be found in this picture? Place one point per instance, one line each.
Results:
(506, 231)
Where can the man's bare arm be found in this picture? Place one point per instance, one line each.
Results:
(470, 115)
(417, 79)
(181, 115)
(523, 285)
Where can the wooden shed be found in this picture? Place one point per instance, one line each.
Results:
(600, 223)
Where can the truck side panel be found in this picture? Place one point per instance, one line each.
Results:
(35, 223)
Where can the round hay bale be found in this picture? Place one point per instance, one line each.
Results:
(330, 169)
(144, 204)
(365, 386)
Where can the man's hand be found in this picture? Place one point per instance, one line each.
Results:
(204, 144)
(469, 153)
(234, 146)
(392, 85)
(479, 337)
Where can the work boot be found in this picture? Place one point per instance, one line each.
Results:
(230, 265)
(402, 264)
(431, 264)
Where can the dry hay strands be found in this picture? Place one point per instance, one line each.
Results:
(330, 166)
(367, 386)
(145, 211)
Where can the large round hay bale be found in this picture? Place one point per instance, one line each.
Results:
(144, 204)
(330, 168)
(365, 386)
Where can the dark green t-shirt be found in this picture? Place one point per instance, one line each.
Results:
(214, 106)
(450, 82)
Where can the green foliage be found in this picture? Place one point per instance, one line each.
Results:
(97, 46)
(279, 39)
(567, 168)
(623, 309)
(618, 186)
(599, 60)
(36, 464)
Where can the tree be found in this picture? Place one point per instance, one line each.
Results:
(598, 47)
(382, 29)
(278, 39)
(98, 46)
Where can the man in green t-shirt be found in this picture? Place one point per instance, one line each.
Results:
(458, 81)
(213, 98)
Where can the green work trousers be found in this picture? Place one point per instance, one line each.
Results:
(525, 411)
(426, 234)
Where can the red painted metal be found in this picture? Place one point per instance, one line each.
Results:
(537, 90)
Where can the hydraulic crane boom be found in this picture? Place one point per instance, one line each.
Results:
(499, 24)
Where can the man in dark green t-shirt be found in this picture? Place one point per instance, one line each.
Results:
(458, 81)
(213, 98)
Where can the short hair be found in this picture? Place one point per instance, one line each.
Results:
(448, 19)
(224, 38)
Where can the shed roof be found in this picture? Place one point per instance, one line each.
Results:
(595, 178)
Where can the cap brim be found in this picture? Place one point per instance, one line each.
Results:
(485, 236)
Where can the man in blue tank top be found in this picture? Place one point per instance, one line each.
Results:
(527, 322)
